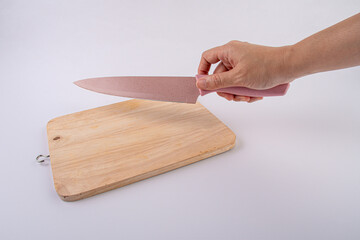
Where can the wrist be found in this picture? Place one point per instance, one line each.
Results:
(294, 64)
(283, 65)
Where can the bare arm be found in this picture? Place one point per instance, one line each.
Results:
(333, 48)
(261, 67)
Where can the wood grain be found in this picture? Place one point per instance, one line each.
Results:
(100, 149)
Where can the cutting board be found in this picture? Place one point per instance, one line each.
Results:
(101, 149)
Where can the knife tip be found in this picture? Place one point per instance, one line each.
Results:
(77, 83)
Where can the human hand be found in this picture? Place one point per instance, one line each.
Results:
(244, 65)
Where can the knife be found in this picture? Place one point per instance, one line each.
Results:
(172, 89)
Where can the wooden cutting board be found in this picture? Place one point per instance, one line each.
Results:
(100, 149)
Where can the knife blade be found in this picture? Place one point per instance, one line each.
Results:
(172, 89)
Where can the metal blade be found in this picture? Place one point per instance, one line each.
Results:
(172, 89)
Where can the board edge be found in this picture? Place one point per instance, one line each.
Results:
(138, 178)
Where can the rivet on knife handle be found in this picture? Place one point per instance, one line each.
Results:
(279, 90)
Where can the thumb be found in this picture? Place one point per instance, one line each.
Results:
(215, 81)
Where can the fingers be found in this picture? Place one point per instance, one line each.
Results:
(220, 68)
(247, 99)
(254, 99)
(223, 75)
(231, 97)
(242, 98)
(209, 57)
(216, 81)
(227, 96)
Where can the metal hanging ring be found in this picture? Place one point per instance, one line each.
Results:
(42, 158)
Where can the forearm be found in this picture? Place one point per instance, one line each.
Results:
(333, 48)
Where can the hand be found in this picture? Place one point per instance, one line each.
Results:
(244, 65)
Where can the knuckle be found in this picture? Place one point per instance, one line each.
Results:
(206, 53)
(217, 81)
(232, 42)
(229, 46)
(232, 45)
(235, 44)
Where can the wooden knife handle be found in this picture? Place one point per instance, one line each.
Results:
(279, 90)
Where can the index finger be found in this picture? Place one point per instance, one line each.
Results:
(209, 57)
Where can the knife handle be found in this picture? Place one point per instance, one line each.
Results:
(279, 90)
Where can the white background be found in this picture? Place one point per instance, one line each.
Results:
(294, 173)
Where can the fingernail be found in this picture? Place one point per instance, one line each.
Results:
(201, 83)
